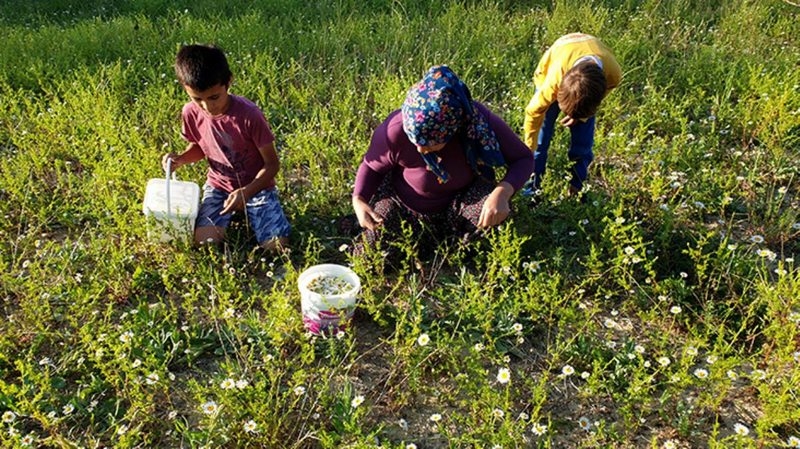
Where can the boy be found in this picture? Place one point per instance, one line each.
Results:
(232, 133)
(573, 76)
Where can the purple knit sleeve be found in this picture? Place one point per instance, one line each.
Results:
(376, 164)
(519, 158)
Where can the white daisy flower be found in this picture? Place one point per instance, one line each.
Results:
(504, 376)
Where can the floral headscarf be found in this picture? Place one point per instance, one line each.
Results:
(440, 107)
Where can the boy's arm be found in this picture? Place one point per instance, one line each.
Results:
(535, 112)
(264, 178)
(191, 154)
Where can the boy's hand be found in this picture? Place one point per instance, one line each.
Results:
(567, 121)
(236, 201)
(165, 160)
(572, 190)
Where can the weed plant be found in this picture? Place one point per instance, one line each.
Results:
(664, 311)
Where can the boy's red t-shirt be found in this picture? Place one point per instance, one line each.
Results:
(230, 141)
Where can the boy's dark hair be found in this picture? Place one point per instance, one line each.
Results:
(582, 90)
(202, 67)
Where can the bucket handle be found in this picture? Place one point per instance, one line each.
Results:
(167, 171)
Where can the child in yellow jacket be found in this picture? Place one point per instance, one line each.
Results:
(573, 76)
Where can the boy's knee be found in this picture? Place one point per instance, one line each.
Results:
(276, 244)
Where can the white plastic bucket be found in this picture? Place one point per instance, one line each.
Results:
(173, 204)
(327, 312)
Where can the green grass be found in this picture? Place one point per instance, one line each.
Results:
(664, 311)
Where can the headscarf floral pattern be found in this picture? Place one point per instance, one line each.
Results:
(440, 107)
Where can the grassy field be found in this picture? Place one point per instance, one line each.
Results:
(663, 312)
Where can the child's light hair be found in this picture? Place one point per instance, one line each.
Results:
(582, 90)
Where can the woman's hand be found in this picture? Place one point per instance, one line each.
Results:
(496, 207)
(367, 217)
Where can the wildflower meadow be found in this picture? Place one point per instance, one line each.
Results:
(662, 311)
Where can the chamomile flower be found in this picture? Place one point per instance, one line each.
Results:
(299, 390)
(691, 351)
(241, 384)
(126, 337)
(210, 408)
(436, 417)
(664, 361)
(504, 376)
(498, 413)
(122, 430)
(756, 239)
(423, 339)
(586, 375)
(151, 378)
(250, 426)
(9, 416)
(478, 347)
(584, 423)
(732, 374)
(675, 310)
(538, 429)
(741, 429)
(28, 439)
(567, 370)
(358, 400)
(701, 373)
(517, 327)
(228, 384)
(68, 409)
(669, 444)
(411, 446)
(793, 441)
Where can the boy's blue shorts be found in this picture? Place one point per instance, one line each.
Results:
(264, 213)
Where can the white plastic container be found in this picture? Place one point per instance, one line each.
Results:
(327, 313)
(173, 205)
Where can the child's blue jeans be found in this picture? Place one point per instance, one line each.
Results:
(580, 148)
